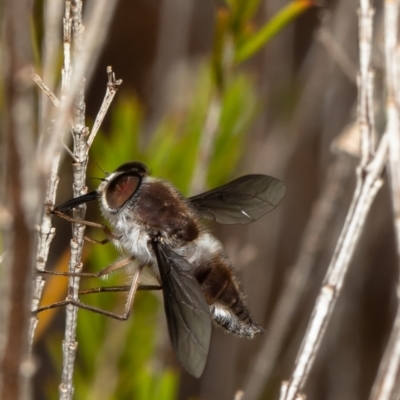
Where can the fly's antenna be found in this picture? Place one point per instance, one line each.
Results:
(102, 170)
(100, 179)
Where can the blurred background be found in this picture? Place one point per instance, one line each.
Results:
(211, 91)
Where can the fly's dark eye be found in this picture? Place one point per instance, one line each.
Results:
(121, 189)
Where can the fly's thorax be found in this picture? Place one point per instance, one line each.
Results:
(164, 211)
(156, 208)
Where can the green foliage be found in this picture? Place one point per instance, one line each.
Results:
(254, 42)
(237, 38)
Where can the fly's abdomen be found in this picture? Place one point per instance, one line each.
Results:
(225, 299)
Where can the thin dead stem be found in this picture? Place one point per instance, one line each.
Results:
(95, 36)
(368, 183)
(112, 87)
(72, 95)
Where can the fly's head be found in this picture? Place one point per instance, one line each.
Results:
(114, 192)
(120, 186)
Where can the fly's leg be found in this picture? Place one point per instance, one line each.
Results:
(126, 288)
(77, 303)
(104, 228)
(111, 268)
(127, 309)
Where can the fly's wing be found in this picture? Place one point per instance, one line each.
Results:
(188, 315)
(77, 201)
(241, 201)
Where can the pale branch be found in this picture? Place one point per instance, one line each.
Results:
(69, 345)
(56, 102)
(368, 184)
(95, 36)
(112, 87)
(46, 232)
(74, 68)
(45, 89)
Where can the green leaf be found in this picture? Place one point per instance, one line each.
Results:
(247, 9)
(255, 42)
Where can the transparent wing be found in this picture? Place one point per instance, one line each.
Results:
(241, 201)
(188, 315)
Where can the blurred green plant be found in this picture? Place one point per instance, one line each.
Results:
(237, 38)
(116, 360)
(254, 41)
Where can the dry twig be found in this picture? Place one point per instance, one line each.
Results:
(368, 183)
(72, 91)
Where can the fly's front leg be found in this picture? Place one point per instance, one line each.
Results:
(107, 231)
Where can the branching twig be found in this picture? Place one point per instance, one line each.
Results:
(368, 183)
(72, 93)
(45, 89)
(112, 87)
(95, 35)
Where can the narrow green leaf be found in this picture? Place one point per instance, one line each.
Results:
(253, 44)
(243, 12)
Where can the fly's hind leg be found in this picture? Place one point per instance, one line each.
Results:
(128, 306)
(124, 288)
(105, 271)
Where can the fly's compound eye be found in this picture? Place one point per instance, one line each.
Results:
(121, 189)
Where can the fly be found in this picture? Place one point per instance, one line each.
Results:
(163, 236)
